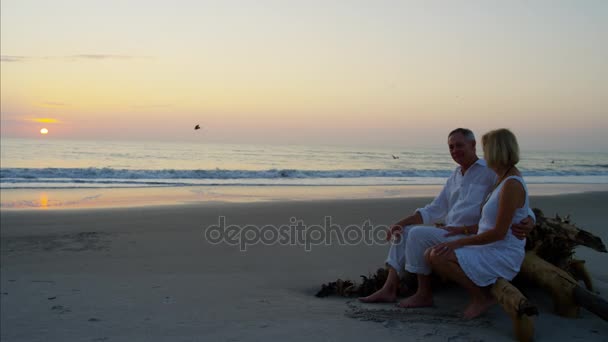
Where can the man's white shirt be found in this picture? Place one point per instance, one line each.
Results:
(460, 200)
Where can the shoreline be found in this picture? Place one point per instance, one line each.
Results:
(108, 198)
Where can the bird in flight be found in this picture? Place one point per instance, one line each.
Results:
(197, 127)
(394, 156)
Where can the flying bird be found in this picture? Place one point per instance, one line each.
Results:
(394, 156)
(197, 127)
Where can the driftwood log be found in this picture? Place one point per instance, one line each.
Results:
(518, 307)
(549, 264)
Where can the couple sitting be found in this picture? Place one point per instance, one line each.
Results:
(485, 207)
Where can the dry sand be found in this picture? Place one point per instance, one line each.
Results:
(148, 274)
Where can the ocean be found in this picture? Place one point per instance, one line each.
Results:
(54, 164)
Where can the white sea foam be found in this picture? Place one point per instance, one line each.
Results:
(63, 164)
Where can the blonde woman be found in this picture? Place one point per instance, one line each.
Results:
(478, 260)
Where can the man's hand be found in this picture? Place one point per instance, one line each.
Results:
(394, 231)
(522, 229)
(451, 231)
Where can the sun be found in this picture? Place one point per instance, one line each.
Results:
(44, 131)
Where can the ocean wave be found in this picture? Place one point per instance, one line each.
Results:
(14, 174)
(593, 165)
(10, 175)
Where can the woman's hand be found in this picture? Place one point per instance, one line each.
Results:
(446, 247)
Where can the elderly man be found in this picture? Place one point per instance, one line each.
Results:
(458, 206)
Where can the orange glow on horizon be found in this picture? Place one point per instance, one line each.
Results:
(45, 120)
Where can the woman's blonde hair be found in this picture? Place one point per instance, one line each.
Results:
(500, 148)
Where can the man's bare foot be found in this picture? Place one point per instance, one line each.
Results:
(477, 307)
(416, 300)
(381, 296)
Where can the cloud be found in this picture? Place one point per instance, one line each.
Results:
(100, 56)
(44, 120)
(84, 56)
(152, 106)
(52, 104)
(9, 58)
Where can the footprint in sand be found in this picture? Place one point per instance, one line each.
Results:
(367, 312)
(60, 309)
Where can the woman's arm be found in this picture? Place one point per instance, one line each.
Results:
(463, 230)
(512, 196)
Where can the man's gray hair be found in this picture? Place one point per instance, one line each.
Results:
(468, 134)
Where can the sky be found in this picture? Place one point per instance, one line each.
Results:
(377, 73)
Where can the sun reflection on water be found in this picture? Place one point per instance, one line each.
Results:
(44, 200)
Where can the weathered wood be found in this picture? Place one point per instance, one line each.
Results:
(591, 302)
(579, 272)
(512, 300)
(346, 288)
(554, 239)
(523, 328)
(556, 281)
(568, 295)
(518, 307)
(339, 287)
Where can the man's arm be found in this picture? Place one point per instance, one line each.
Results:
(523, 229)
(415, 218)
(431, 213)
(397, 228)
(438, 208)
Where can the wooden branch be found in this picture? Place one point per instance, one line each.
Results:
(559, 283)
(553, 234)
(518, 307)
(579, 272)
(591, 302)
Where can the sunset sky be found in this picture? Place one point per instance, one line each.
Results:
(394, 73)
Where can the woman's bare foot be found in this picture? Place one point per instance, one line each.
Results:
(478, 306)
(383, 295)
(417, 300)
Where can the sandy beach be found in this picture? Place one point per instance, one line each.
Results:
(151, 274)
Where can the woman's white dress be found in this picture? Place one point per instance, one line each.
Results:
(483, 264)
